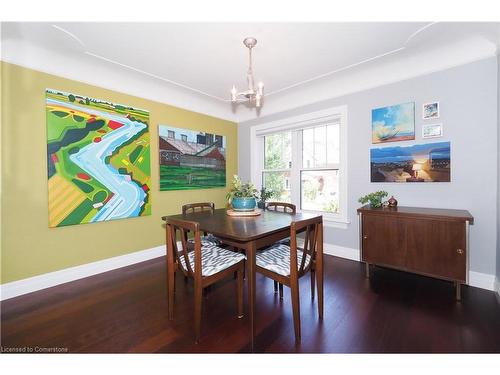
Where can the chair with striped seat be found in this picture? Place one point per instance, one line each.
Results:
(288, 208)
(206, 264)
(285, 264)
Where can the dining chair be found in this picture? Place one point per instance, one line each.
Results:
(289, 208)
(287, 263)
(206, 264)
(200, 207)
(282, 206)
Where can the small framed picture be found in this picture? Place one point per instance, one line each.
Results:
(432, 130)
(430, 110)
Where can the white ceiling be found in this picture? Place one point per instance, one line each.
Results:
(204, 60)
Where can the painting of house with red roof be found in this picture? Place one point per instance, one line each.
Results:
(191, 159)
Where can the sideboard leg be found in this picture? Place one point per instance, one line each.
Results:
(458, 291)
(367, 270)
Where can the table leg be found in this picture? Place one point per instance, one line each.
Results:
(251, 289)
(319, 271)
(170, 274)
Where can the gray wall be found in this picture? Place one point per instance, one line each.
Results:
(468, 98)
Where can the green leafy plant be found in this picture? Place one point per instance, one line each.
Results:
(241, 190)
(265, 194)
(375, 199)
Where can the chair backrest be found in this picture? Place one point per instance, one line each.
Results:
(283, 207)
(313, 229)
(183, 228)
(202, 206)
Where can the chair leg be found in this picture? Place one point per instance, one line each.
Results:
(197, 312)
(312, 283)
(281, 290)
(275, 286)
(170, 294)
(240, 290)
(294, 291)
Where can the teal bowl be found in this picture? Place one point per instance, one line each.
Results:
(243, 204)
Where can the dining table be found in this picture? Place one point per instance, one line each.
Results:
(249, 233)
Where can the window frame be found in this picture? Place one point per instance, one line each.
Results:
(296, 124)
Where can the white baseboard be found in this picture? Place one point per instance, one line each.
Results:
(482, 280)
(47, 280)
(342, 252)
(476, 279)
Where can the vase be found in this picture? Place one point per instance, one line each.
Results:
(243, 204)
(392, 201)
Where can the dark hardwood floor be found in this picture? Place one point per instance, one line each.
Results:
(125, 311)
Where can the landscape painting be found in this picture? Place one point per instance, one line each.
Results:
(191, 159)
(428, 162)
(98, 159)
(393, 123)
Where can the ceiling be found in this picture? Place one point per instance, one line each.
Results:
(204, 60)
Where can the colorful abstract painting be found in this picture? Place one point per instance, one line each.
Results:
(191, 159)
(98, 160)
(393, 123)
(430, 162)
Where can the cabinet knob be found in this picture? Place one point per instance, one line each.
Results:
(460, 251)
(365, 237)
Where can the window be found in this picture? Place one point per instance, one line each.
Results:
(319, 173)
(303, 160)
(184, 138)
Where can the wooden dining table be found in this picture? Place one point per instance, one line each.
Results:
(250, 233)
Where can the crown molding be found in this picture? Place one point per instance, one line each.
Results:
(86, 68)
(390, 69)
(401, 64)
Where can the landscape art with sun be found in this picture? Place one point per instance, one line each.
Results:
(98, 160)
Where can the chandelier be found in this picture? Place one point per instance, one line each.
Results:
(253, 94)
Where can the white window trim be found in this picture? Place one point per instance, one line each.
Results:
(311, 119)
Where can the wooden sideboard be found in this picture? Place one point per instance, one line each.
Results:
(428, 241)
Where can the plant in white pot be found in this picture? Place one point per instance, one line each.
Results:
(242, 196)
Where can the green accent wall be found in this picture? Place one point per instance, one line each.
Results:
(28, 246)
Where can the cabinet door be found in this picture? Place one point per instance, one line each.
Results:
(437, 248)
(384, 240)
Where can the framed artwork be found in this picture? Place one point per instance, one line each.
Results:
(428, 162)
(98, 159)
(191, 159)
(430, 110)
(393, 123)
(432, 130)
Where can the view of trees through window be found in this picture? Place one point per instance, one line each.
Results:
(318, 174)
(277, 165)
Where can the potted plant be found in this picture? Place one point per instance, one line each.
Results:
(265, 194)
(242, 196)
(375, 199)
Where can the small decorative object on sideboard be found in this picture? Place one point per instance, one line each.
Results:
(375, 199)
(242, 196)
(392, 202)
